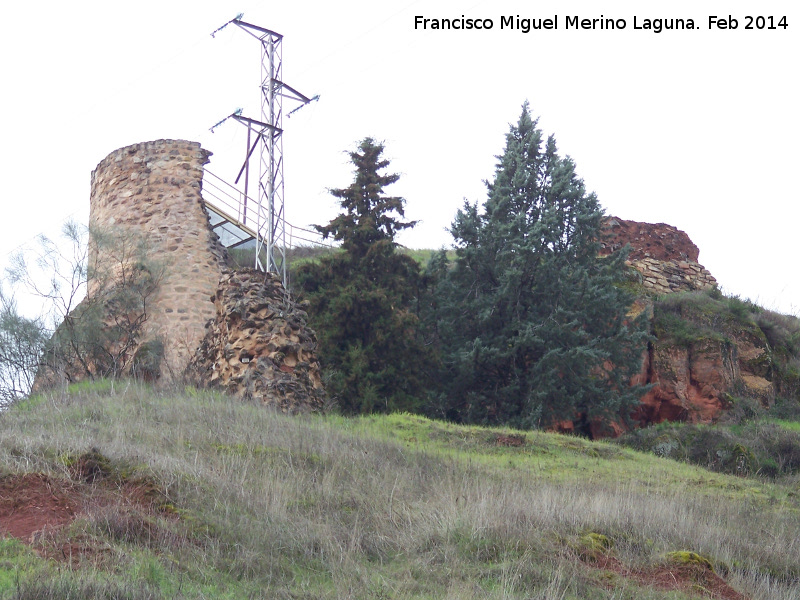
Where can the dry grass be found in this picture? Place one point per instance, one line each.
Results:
(389, 507)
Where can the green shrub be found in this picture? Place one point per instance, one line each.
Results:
(742, 409)
(146, 364)
(740, 309)
(755, 448)
(680, 331)
(786, 408)
(782, 331)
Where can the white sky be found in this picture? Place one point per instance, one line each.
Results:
(698, 129)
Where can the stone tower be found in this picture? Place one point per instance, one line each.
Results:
(153, 190)
(238, 331)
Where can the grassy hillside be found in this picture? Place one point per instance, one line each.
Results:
(192, 495)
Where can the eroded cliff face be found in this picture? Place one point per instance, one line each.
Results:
(690, 383)
(708, 351)
(697, 382)
(702, 361)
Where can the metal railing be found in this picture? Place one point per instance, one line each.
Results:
(228, 199)
(241, 211)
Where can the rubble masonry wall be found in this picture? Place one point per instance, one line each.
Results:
(154, 189)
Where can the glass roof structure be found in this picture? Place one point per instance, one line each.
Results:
(232, 234)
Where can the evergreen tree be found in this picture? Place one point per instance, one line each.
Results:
(368, 218)
(532, 323)
(363, 300)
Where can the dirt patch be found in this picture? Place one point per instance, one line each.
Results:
(30, 503)
(514, 439)
(37, 508)
(693, 579)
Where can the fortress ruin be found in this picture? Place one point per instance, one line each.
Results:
(153, 190)
(663, 255)
(238, 331)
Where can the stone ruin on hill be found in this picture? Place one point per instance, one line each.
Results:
(664, 256)
(691, 382)
(239, 331)
(258, 345)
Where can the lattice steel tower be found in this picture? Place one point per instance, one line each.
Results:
(270, 215)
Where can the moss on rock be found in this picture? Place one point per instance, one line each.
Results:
(685, 557)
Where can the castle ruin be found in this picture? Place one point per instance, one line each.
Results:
(153, 190)
(239, 331)
(663, 255)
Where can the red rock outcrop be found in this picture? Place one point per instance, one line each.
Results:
(695, 377)
(690, 383)
(659, 241)
(664, 256)
(694, 382)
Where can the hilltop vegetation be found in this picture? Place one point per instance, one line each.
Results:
(193, 495)
(694, 318)
(757, 381)
(522, 323)
(525, 326)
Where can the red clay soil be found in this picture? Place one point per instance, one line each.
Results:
(35, 507)
(30, 503)
(694, 579)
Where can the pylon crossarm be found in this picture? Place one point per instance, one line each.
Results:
(253, 122)
(250, 28)
(233, 20)
(295, 95)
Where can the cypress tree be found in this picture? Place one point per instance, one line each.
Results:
(532, 324)
(364, 299)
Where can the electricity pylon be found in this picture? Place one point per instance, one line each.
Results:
(270, 214)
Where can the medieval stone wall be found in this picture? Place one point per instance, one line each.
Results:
(259, 346)
(664, 277)
(153, 190)
(664, 256)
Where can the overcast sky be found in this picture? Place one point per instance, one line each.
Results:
(695, 128)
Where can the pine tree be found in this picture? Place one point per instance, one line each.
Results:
(368, 217)
(363, 300)
(533, 324)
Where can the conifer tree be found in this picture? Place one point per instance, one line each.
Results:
(363, 300)
(369, 217)
(532, 324)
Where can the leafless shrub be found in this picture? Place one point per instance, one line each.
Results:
(97, 286)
